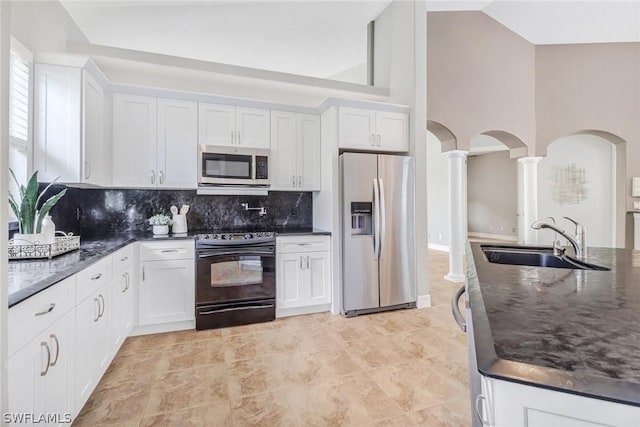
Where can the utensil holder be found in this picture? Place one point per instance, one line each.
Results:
(179, 224)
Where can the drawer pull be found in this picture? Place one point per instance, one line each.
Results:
(46, 345)
(124, 259)
(305, 244)
(55, 338)
(97, 276)
(169, 251)
(48, 310)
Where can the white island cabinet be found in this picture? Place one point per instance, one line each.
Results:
(509, 404)
(303, 275)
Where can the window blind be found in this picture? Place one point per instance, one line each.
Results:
(19, 99)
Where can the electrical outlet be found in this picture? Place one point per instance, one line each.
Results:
(294, 211)
(501, 228)
(439, 236)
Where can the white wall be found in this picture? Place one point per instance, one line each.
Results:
(596, 210)
(4, 176)
(492, 194)
(437, 193)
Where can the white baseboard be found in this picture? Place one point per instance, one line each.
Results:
(423, 301)
(455, 278)
(296, 311)
(507, 237)
(436, 247)
(183, 325)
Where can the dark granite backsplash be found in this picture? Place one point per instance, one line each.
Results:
(94, 212)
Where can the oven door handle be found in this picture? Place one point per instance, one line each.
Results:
(223, 310)
(226, 253)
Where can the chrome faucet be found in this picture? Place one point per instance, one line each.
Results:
(577, 247)
(581, 236)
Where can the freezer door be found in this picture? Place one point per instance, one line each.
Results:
(358, 174)
(396, 176)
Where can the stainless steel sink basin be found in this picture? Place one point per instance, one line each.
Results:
(534, 256)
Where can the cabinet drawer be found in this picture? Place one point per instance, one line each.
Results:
(93, 277)
(292, 244)
(168, 249)
(29, 318)
(123, 258)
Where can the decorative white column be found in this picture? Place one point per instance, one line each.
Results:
(457, 213)
(527, 198)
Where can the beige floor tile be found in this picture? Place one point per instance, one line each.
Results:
(212, 414)
(192, 354)
(146, 362)
(187, 388)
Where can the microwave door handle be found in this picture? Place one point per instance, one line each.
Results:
(253, 167)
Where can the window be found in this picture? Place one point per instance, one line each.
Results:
(20, 106)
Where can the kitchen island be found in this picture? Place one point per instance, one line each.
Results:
(576, 332)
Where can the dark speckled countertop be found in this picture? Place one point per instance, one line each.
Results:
(576, 331)
(28, 277)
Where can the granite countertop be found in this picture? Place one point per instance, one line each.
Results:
(28, 277)
(575, 331)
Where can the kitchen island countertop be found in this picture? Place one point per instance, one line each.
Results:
(576, 331)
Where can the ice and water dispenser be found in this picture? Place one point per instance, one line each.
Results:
(361, 218)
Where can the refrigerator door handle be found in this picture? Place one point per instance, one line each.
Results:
(383, 219)
(376, 219)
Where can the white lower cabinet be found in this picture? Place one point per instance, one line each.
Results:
(124, 298)
(94, 345)
(507, 404)
(167, 282)
(40, 377)
(303, 275)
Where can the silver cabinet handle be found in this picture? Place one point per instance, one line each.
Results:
(143, 272)
(301, 266)
(299, 180)
(97, 276)
(231, 137)
(98, 316)
(161, 177)
(128, 281)
(239, 137)
(294, 180)
(308, 262)
(124, 276)
(101, 299)
(169, 251)
(55, 338)
(153, 177)
(47, 311)
(455, 309)
(123, 259)
(373, 140)
(46, 345)
(87, 170)
(378, 140)
(480, 399)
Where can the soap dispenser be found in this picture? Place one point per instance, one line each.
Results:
(48, 230)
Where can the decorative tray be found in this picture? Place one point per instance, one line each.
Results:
(63, 244)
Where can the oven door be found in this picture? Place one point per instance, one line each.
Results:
(235, 273)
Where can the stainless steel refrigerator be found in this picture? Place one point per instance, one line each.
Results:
(378, 232)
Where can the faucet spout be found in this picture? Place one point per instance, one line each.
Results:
(577, 248)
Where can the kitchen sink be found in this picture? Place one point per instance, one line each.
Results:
(535, 256)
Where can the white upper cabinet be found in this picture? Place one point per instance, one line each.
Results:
(154, 142)
(134, 141)
(361, 129)
(233, 126)
(295, 151)
(69, 126)
(177, 149)
(57, 123)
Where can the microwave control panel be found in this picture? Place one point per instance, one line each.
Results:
(262, 167)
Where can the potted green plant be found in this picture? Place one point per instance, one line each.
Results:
(29, 211)
(160, 223)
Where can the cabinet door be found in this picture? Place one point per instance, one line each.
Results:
(252, 128)
(93, 342)
(319, 271)
(123, 306)
(96, 166)
(40, 374)
(392, 131)
(289, 280)
(57, 145)
(134, 141)
(167, 291)
(177, 147)
(216, 124)
(284, 157)
(308, 151)
(356, 128)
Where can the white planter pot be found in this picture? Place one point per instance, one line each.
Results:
(160, 229)
(28, 239)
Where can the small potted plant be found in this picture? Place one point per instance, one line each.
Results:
(29, 211)
(160, 223)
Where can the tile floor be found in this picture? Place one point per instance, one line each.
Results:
(401, 368)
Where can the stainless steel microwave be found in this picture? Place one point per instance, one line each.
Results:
(233, 166)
